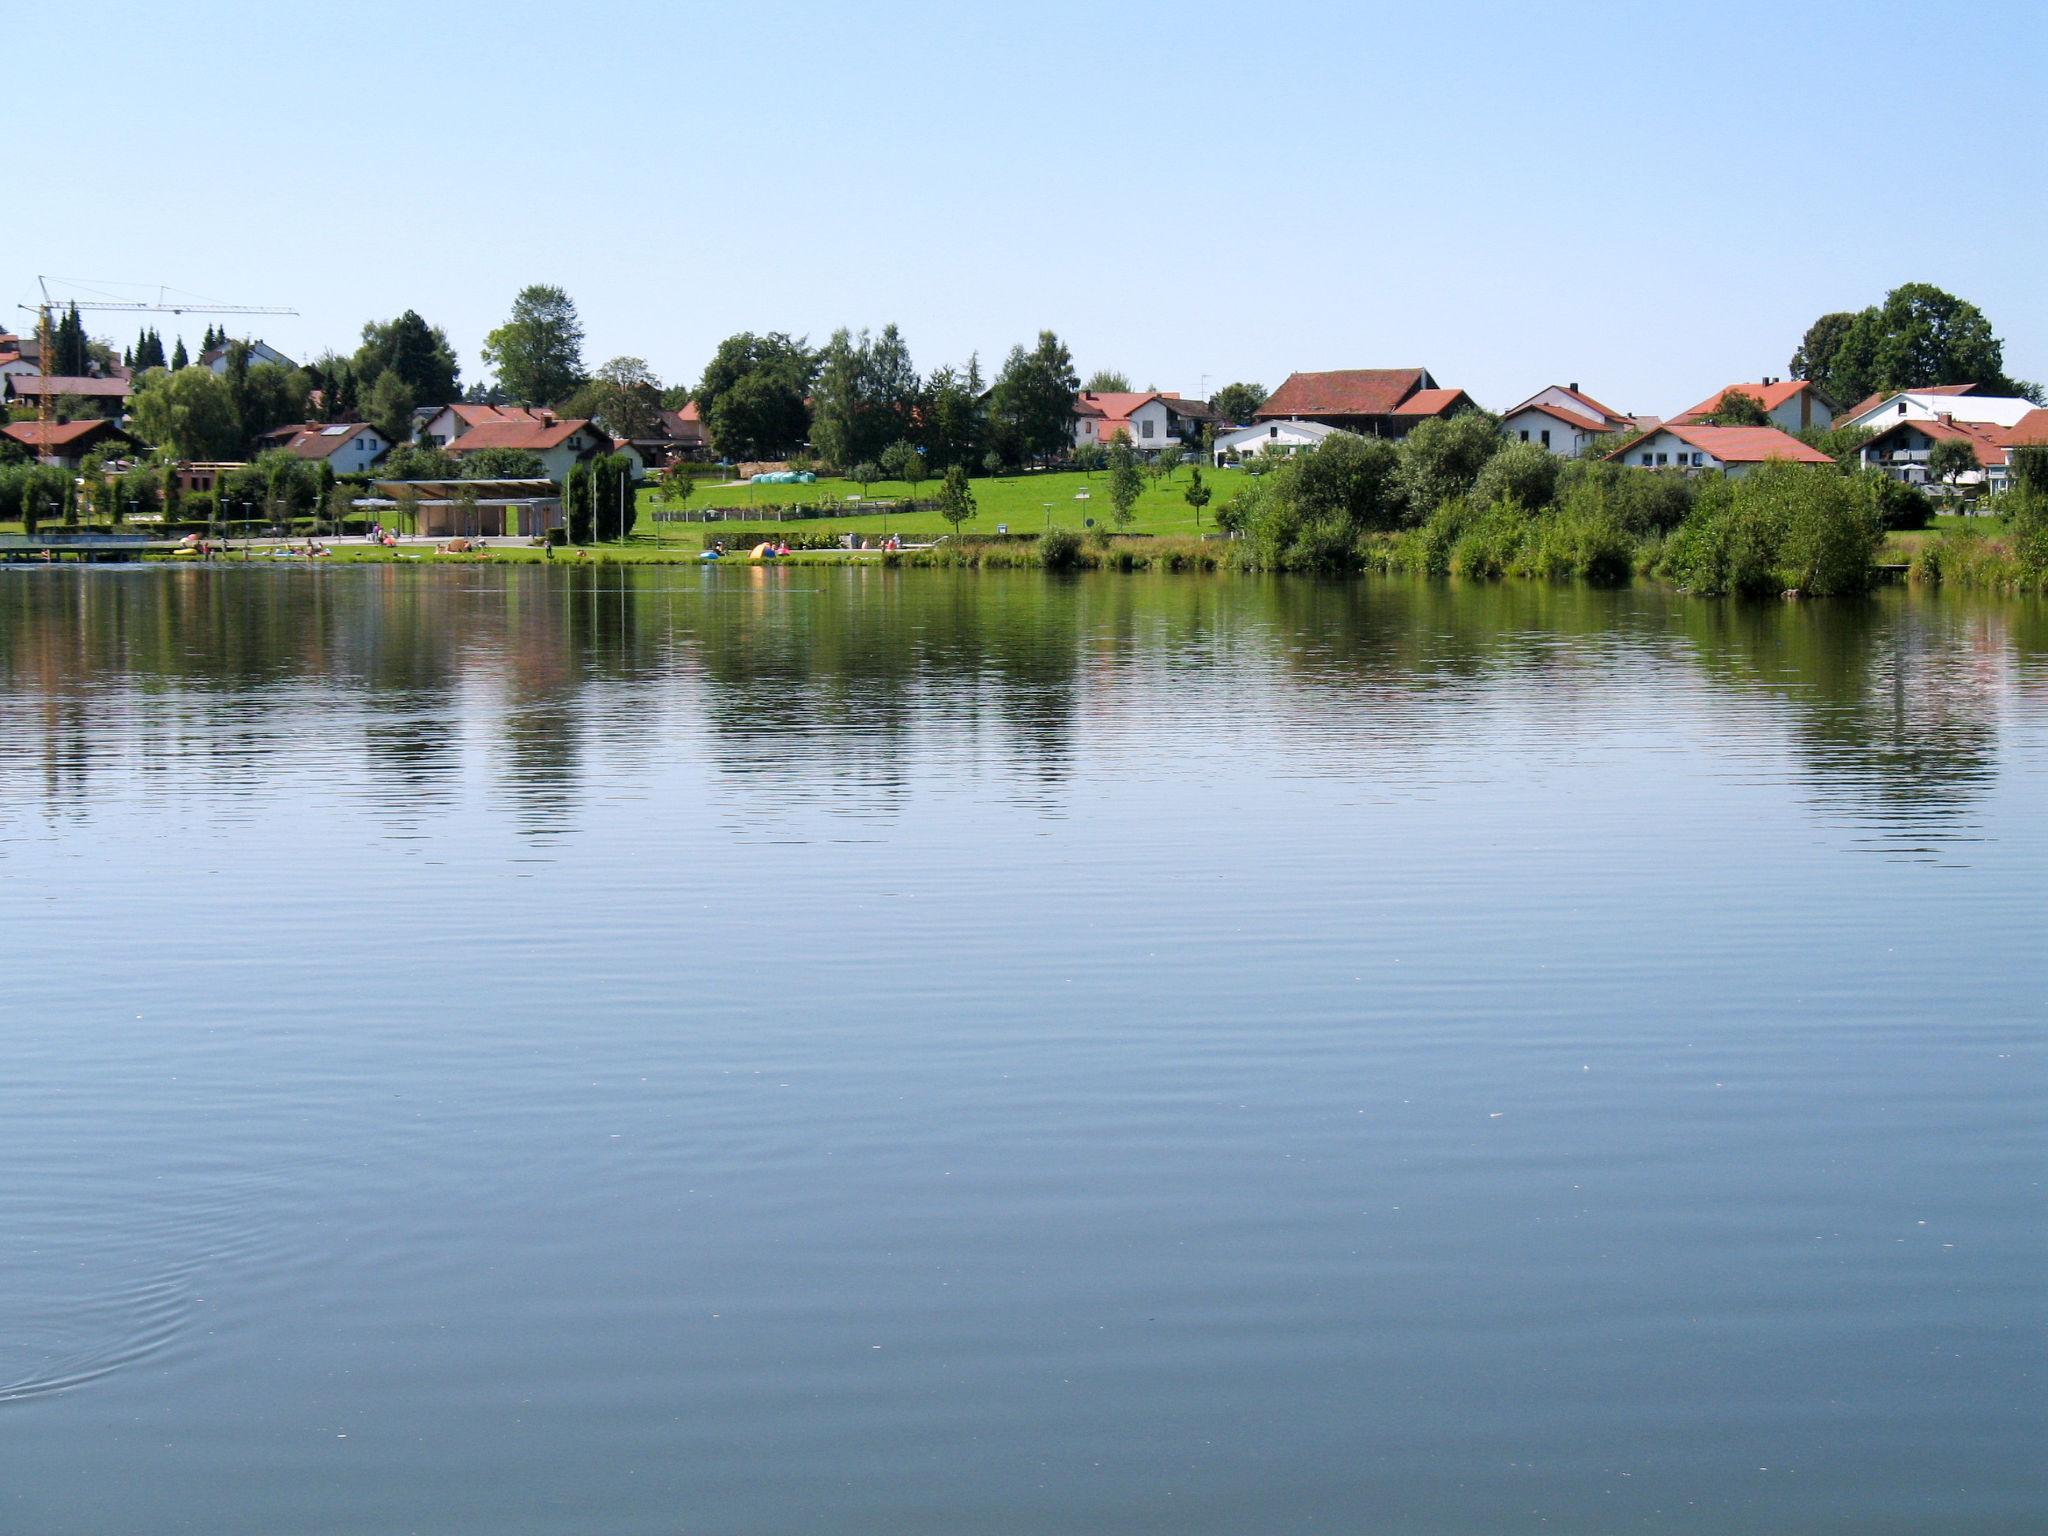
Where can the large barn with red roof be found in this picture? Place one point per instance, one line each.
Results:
(1374, 402)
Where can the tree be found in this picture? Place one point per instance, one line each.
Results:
(956, 497)
(1442, 457)
(1126, 484)
(1522, 473)
(623, 397)
(1167, 460)
(538, 352)
(1951, 457)
(1237, 403)
(1736, 408)
(180, 358)
(866, 396)
(1814, 360)
(501, 464)
(864, 474)
(420, 461)
(1031, 409)
(901, 461)
(598, 499)
(389, 407)
(1108, 381)
(149, 351)
(68, 356)
(1197, 494)
(1090, 457)
(190, 413)
(1919, 336)
(992, 463)
(417, 352)
(951, 417)
(2029, 465)
(752, 395)
(677, 484)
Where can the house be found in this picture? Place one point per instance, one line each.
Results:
(469, 508)
(66, 443)
(561, 445)
(108, 395)
(1374, 402)
(1960, 402)
(216, 358)
(448, 422)
(352, 447)
(637, 451)
(1735, 451)
(1792, 405)
(18, 355)
(684, 430)
(1150, 418)
(1902, 449)
(1271, 437)
(1563, 420)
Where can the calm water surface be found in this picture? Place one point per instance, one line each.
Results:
(753, 1051)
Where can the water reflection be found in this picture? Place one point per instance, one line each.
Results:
(837, 690)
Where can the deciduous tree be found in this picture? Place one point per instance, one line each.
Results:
(1197, 494)
(1237, 402)
(752, 395)
(1108, 381)
(538, 351)
(956, 497)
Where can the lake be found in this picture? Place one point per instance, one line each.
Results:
(752, 1050)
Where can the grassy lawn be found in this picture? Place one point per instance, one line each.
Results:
(1019, 500)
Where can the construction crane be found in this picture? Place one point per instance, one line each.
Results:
(46, 335)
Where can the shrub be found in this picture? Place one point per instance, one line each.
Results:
(1059, 549)
(1900, 507)
(1525, 473)
(1783, 526)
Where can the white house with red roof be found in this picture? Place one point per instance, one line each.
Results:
(560, 445)
(352, 447)
(1151, 418)
(451, 421)
(1903, 448)
(1563, 420)
(1695, 448)
(1958, 402)
(1792, 405)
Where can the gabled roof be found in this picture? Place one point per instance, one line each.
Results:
(1572, 419)
(1434, 402)
(475, 415)
(71, 384)
(1734, 445)
(61, 434)
(1310, 429)
(1990, 441)
(1604, 416)
(1872, 402)
(2030, 428)
(1194, 410)
(536, 436)
(1345, 392)
(1770, 396)
(322, 440)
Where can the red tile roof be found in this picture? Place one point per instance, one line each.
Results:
(533, 435)
(1433, 402)
(59, 434)
(1771, 396)
(1603, 416)
(1571, 419)
(1989, 440)
(1346, 392)
(1734, 445)
(319, 439)
(2030, 428)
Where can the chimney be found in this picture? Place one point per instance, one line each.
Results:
(1573, 386)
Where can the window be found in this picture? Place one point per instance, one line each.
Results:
(1698, 459)
(1546, 436)
(1144, 429)
(1525, 434)
(1272, 431)
(1646, 461)
(1663, 459)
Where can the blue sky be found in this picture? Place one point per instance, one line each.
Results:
(1652, 201)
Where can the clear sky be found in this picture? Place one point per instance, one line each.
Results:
(1650, 200)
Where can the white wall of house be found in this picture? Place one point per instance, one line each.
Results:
(1989, 410)
(17, 367)
(1546, 431)
(1276, 436)
(359, 452)
(1804, 409)
(444, 426)
(1665, 450)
